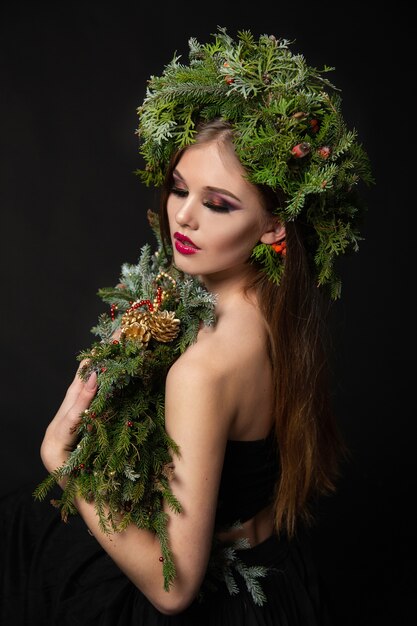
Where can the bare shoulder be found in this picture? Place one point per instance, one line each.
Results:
(197, 383)
(212, 363)
(223, 373)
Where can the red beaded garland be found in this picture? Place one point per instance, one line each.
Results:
(136, 305)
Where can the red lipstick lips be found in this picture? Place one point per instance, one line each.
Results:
(184, 245)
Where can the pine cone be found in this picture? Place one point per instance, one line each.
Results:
(141, 317)
(164, 326)
(135, 326)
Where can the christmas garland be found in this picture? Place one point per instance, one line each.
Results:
(123, 460)
(288, 129)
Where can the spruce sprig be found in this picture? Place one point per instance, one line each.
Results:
(225, 563)
(123, 460)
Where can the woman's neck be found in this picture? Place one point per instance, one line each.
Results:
(228, 289)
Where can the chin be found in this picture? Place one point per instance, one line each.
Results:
(184, 266)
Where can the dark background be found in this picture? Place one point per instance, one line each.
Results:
(72, 211)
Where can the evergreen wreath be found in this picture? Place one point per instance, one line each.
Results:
(123, 460)
(289, 134)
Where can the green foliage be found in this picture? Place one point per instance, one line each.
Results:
(225, 563)
(271, 261)
(274, 101)
(123, 460)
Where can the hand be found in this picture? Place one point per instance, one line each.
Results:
(60, 436)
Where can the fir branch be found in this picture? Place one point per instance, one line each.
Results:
(250, 575)
(271, 262)
(122, 462)
(224, 566)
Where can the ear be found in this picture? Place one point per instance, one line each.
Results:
(275, 232)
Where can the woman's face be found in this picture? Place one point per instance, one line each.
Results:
(215, 215)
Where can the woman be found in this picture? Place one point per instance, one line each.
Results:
(247, 403)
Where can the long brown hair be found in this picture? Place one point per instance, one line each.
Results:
(309, 444)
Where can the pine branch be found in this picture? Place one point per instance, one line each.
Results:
(123, 460)
(224, 566)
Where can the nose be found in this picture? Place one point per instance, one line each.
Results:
(187, 213)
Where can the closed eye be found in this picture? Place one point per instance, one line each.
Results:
(218, 207)
(177, 191)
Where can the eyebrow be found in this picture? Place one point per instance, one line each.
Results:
(210, 188)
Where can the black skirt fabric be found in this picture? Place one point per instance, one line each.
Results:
(56, 574)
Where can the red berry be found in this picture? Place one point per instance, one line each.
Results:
(301, 150)
(314, 124)
(280, 248)
(324, 152)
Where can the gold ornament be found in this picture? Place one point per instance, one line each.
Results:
(164, 326)
(128, 318)
(137, 332)
(134, 326)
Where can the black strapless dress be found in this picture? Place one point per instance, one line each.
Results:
(56, 574)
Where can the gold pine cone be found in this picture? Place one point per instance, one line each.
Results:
(134, 326)
(137, 332)
(164, 326)
(141, 317)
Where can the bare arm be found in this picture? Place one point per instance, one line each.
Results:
(196, 418)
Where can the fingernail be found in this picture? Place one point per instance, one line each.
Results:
(91, 382)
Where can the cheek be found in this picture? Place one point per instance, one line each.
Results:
(239, 241)
(170, 213)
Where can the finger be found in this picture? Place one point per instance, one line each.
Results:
(62, 432)
(86, 393)
(91, 384)
(82, 402)
(73, 391)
